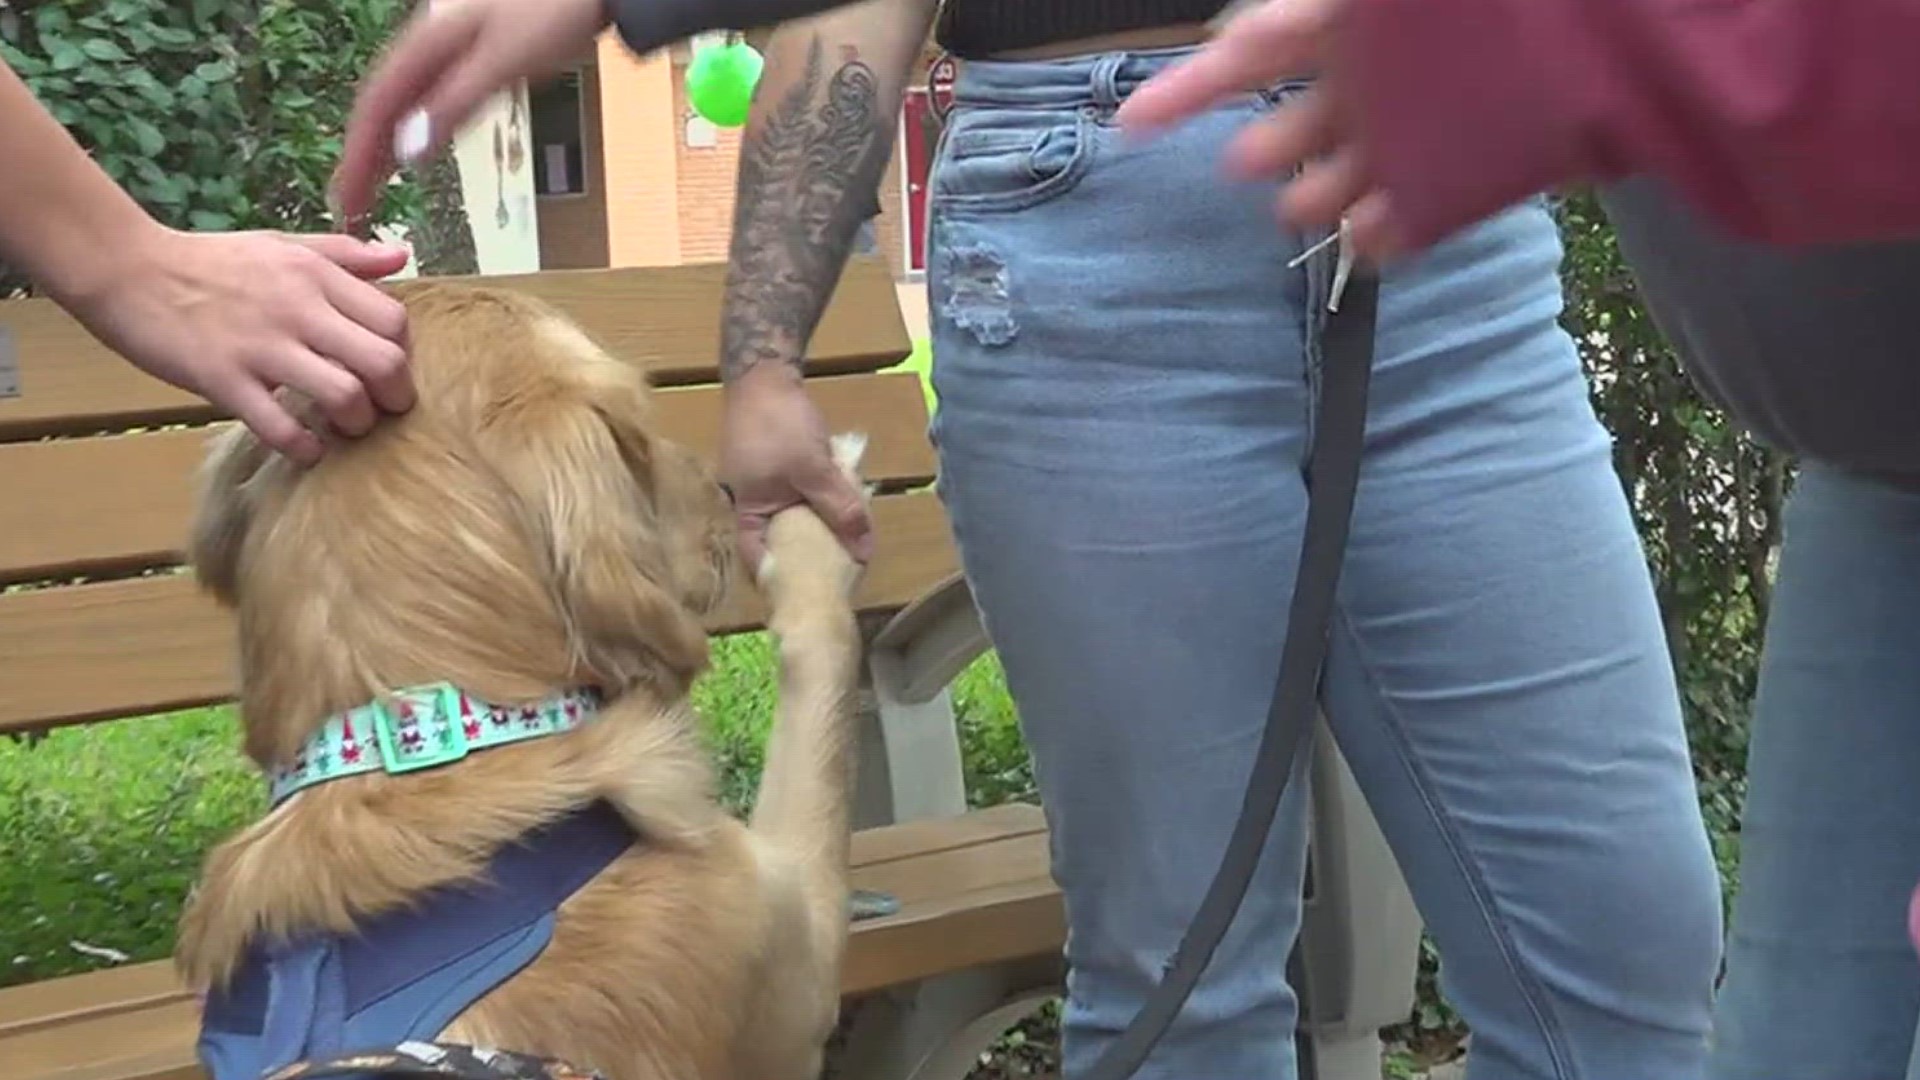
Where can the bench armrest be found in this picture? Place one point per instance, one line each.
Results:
(931, 641)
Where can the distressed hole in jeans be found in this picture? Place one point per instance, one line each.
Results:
(976, 298)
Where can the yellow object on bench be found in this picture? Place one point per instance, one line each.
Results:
(978, 935)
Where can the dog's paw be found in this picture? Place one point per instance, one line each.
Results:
(801, 549)
(848, 448)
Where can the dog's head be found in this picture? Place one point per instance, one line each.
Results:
(525, 521)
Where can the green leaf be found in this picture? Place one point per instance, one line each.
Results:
(154, 94)
(147, 137)
(167, 191)
(25, 66)
(104, 50)
(119, 98)
(65, 55)
(51, 20)
(210, 220)
(102, 132)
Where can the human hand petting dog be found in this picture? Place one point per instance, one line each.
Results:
(229, 316)
(233, 316)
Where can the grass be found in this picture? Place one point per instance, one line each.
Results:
(920, 362)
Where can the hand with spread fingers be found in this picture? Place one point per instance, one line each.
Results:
(448, 60)
(1312, 132)
(1788, 122)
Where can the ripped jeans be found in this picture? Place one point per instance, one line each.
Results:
(1125, 367)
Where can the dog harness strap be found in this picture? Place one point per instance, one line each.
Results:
(423, 727)
(425, 1059)
(407, 973)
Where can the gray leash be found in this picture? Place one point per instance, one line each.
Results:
(1333, 474)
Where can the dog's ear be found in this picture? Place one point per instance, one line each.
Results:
(224, 510)
(580, 463)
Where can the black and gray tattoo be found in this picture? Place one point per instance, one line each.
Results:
(809, 175)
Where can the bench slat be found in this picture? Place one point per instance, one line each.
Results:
(145, 645)
(970, 896)
(112, 505)
(662, 317)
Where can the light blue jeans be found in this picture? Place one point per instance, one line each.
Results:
(1125, 366)
(1821, 982)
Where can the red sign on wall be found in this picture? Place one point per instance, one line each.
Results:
(940, 83)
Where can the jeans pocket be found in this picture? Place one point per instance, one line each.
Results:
(985, 163)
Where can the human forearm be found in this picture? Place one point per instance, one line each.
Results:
(811, 161)
(62, 219)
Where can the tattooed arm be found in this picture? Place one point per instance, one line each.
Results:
(810, 167)
(811, 161)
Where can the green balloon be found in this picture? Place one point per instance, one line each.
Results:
(720, 82)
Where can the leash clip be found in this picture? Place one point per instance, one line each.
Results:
(1343, 265)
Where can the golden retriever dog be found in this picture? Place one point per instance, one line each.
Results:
(524, 532)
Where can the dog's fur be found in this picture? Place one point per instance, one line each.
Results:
(521, 531)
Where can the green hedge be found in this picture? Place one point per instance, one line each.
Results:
(215, 114)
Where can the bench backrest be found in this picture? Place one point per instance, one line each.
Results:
(98, 619)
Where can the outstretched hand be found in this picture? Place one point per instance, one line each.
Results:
(1313, 132)
(450, 58)
(234, 316)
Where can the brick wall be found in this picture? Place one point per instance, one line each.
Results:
(706, 180)
(642, 174)
(665, 201)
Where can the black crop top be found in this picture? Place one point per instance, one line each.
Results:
(971, 29)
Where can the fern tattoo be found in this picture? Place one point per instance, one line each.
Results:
(808, 177)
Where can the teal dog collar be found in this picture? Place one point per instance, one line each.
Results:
(423, 727)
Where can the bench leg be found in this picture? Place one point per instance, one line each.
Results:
(1359, 933)
(1345, 1057)
(909, 755)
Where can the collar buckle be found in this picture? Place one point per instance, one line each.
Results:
(419, 728)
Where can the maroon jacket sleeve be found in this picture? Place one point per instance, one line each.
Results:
(1792, 121)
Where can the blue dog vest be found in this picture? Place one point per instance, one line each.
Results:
(405, 975)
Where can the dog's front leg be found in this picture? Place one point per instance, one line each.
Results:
(802, 813)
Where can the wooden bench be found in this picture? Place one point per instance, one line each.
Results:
(98, 622)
